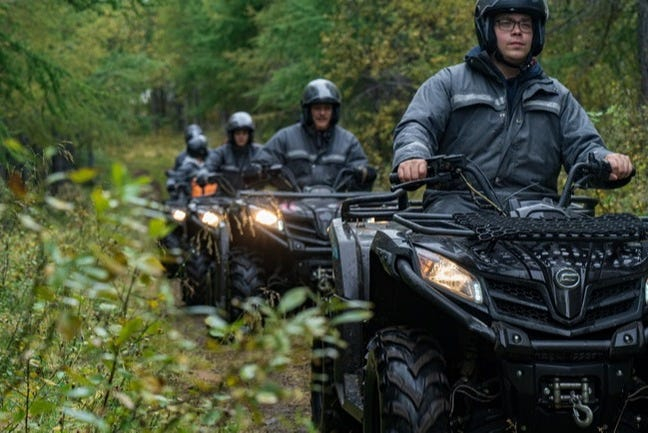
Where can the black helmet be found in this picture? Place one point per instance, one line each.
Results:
(191, 131)
(240, 120)
(320, 91)
(485, 10)
(197, 146)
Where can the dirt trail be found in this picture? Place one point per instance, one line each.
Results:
(287, 415)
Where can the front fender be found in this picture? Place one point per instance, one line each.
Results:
(347, 260)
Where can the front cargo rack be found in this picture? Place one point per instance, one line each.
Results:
(611, 227)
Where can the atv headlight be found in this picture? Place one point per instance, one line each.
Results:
(210, 218)
(449, 275)
(266, 217)
(178, 215)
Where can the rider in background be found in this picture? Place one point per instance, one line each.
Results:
(196, 153)
(316, 148)
(235, 155)
(502, 111)
(181, 186)
(190, 132)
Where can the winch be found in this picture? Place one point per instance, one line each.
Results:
(562, 393)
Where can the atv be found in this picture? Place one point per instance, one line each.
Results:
(203, 232)
(280, 239)
(528, 317)
(173, 245)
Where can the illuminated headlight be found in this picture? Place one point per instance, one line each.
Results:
(210, 218)
(646, 291)
(450, 276)
(266, 217)
(178, 215)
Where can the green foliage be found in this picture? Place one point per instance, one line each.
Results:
(200, 41)
(592, 48)
(90, 329)
(243, 55)
(625, 131)
(298, 317)
(384, 52)
(82, 313)
(72, 73)
(284, 64)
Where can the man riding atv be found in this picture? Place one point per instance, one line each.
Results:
(500, 110)
(235, 155)
(314, 164)
(317, 148)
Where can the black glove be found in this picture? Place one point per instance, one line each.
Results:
(365, 175)
(252, 173)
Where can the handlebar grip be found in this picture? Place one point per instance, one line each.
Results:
(394, 179)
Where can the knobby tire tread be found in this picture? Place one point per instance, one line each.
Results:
(196, 282)
(247, 276)
(409, 372)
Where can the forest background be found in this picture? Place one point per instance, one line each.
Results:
(100, 74)
(91, 337)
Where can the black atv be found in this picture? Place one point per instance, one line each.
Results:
(174, 245)
(203, 231)
(528, 317)
(280, 239)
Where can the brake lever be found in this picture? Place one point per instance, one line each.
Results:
(414, 184)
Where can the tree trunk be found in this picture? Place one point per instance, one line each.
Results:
(643, 47)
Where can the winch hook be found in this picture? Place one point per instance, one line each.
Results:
(579, 409)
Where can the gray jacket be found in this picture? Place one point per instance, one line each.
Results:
(315, 158)
(232, 159)
(520, 132)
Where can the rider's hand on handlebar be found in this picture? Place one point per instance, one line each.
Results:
(621, 166)
(252, 172)
(412, 169)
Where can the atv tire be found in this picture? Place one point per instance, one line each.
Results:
(247, 278)
(172, 253)
(406, 387)
(197, 281)
(327, 414)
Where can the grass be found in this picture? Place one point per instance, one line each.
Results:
(91, 334)
(151, 156)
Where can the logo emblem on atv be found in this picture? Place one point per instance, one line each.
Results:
(567, 278)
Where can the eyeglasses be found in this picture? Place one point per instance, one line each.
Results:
(507, 25)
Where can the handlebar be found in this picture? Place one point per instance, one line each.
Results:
(440, 169)
(346, 179)
(590, 174)
(183, 178)
(257, 174)
(450, 169)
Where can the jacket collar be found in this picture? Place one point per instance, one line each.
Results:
(321, 138)
(480, 60)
